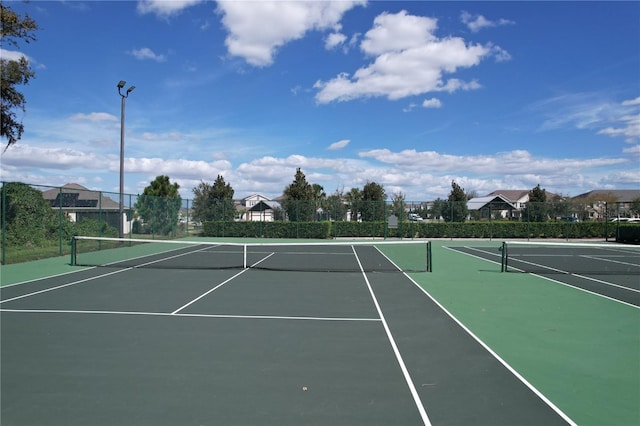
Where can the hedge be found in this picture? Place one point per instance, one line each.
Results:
(629, 233)
(479, 229)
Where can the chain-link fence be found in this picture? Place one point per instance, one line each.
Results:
(38, 221)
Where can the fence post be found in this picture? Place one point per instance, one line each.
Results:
(4, 223)
(60, 223)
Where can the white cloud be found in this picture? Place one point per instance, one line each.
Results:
(410, 61)
(146, 53)
(11, 55)
(432, 103)
(339, 145)
(164, 8)
(630, 128)
(258, 29)
(94, 117)
(592, 111)
(420, 175)
(334, 40)
(477, 22)
(631, 102)
(398, 32)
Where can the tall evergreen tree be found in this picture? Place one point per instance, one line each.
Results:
(213, 202)
(298, 199)
(455, 208)
(537, 209)
(159, 205)
(373, 202)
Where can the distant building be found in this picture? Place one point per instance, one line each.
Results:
(609, 203)
(80, 203)
(257, 207)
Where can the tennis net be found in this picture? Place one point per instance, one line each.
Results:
(570, 258)
(334, 256)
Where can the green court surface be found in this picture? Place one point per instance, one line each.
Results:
(581, 351)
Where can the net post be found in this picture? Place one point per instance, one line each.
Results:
(503, 263)
(429, 260)
(244, 262)
(73, 251)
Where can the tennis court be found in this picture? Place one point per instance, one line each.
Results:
(315, 334)
(609, 270)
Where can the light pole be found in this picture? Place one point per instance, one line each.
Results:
(126, 95)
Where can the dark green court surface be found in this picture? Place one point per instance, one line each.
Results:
(464, 344)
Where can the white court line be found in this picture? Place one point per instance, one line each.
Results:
(219, 285)
(477, 257)
(63, 285)
(396, 351)
(208, 292)
(166, 314)
(494, 354)
(575, 287)
(81, 268)
(604, 259)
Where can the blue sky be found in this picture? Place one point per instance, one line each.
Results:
(407, 94)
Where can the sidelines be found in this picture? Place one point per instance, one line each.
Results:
(396, 351)
(491, 351)
(63, 285)
(575, 287)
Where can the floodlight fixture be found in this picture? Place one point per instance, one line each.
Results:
(121, 84)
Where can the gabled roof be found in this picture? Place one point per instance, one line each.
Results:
(480, 202)
(264, 205)
(77, 196)
(255, 197)
(622, 195)
(511, 195)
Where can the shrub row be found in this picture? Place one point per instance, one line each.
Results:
(628, 233)
(494, 229)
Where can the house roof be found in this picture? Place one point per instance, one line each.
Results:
(77, 196)
(264, 205)
(622, 195)
(511, 195)
(479, 202)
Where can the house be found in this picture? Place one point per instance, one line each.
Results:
(79, 203)
(603, 203)
(510, 203)
(257, 207)
(493, 205)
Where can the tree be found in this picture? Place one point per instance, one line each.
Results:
(298, 201)
(354, 201)
(319, 197)
(398, 204)
(14, 72)
(373, 198)
(159, 205)
(455, 208)
(213, 202)
(30, 220)
(438, 208)
(537, 209)
(336, 206)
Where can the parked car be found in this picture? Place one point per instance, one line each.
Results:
(414, 217)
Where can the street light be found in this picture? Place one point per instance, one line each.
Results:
(126, 95)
